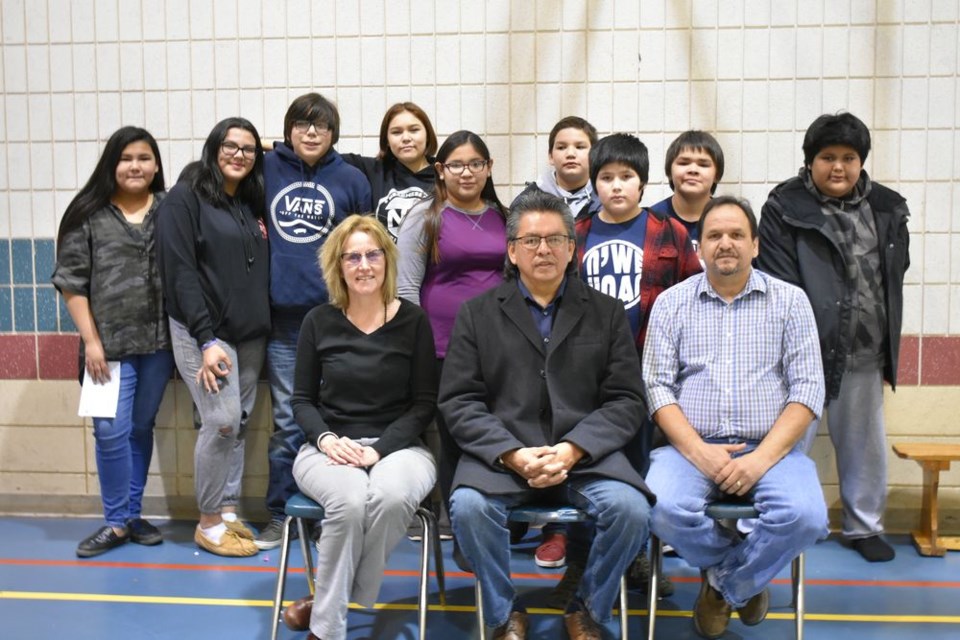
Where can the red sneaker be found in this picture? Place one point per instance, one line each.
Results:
(552, 552)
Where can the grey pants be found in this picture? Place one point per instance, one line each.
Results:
(218, 455)
(366, 515)
(857, 430)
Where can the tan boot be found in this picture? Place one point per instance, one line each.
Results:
(711, 613)
(754, 612)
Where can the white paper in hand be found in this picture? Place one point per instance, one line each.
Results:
(100, 400)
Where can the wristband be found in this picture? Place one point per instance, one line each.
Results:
(208, 344)
(324, 435)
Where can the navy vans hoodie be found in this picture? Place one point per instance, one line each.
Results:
(304, 204)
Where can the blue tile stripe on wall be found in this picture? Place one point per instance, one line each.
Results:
(28, 302)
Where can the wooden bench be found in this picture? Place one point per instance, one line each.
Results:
(932, 458)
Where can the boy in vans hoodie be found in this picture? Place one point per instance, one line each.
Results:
(309, 190)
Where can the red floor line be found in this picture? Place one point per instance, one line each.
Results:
(449, 574)
(824, 582)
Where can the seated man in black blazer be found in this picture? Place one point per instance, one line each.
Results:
(541, 390)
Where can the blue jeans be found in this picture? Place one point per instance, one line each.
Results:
(124, 445)
(287, 436)
(793, 516)
(622, 517)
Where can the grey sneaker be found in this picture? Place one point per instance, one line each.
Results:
(270, 536)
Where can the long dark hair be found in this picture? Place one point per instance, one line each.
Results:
(431, 217)
(102, 184)
(205, 176)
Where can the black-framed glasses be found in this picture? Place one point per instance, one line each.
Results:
(354, 258)
(230, 149)
(532, 243)
(475, 166)
(302, 126)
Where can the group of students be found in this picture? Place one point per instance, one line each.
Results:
(271, 256)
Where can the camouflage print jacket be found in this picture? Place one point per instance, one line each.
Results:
(114, 265)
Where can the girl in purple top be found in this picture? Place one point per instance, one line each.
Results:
(452, 246)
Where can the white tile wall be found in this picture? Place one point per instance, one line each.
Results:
(936, 304)
(755, 72)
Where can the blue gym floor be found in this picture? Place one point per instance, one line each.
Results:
(175, 591)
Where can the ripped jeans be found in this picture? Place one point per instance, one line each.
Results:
(218, 455)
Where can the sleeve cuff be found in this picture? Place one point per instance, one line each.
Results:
(324, 435)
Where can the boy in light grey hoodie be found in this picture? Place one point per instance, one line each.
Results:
(569, 174)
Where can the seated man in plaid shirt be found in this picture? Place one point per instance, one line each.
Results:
(732, 376)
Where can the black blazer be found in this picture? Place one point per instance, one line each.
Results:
(504, 388)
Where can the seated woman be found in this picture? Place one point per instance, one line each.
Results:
(364, 389)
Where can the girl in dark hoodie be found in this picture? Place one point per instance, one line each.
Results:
(212, 249)
(402, 174)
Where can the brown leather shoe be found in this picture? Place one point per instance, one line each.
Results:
(711, 613)
(580, 626)
(515, 627)
(755, 611)
(297, 614)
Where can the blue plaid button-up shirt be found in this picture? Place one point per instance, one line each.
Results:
(733, 367)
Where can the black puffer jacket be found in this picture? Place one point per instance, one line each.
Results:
(795, 247)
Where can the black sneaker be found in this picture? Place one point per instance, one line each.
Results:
(270, 536)
(638, 578)
(562, 594)
(100, 542)
(142, 532)
(415, 530)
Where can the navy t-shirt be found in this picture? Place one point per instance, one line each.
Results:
(613, 262)
(665, 208)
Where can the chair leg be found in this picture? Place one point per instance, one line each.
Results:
(480, 622)
(438, 563)
(653, 589)
(624, 612)
(281, 576)
(307, 554)
(427, 521)
(797, 578)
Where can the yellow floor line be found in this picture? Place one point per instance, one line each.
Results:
(228, 602)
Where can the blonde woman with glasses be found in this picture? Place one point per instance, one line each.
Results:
(365, 388)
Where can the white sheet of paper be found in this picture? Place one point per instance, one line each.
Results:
(100, 400)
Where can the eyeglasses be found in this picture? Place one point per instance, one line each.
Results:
(302, 126)
(532, 243)
(230, 149)
(354, 258)
(475, 166)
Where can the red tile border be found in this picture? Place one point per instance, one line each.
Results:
(18, 357)
(58, 356)
(929, 361)
(908, 371)
(940, 361)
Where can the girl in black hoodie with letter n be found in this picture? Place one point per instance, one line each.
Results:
(402, 174)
